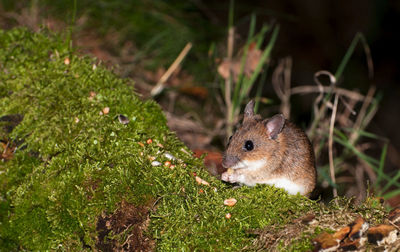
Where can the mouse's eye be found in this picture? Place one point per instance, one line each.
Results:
(248, 145)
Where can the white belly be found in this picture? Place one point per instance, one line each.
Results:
(284, 183)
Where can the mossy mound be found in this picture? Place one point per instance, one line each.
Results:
(79, 179)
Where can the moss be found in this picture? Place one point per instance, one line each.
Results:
(76, 168)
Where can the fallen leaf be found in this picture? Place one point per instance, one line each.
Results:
(382, 234)
(6, 151)
(325, 242)
(358, 227)
(342, 233)
(234, 65)
(394, 216)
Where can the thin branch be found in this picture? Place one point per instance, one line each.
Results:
(331, 127)
(228, 83)
(328, 89)
(164, 78)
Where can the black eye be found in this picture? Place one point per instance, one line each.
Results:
(248, 145)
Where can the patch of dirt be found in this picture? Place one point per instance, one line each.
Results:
(124, 230)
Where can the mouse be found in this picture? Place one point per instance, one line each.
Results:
(270, 151)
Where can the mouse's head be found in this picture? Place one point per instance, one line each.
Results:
(255, 143)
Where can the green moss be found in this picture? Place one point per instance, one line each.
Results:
(74, 164)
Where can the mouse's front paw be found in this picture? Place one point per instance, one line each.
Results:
(228, 177)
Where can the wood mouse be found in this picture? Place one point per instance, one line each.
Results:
(270, 151)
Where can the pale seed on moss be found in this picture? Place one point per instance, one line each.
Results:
(92, 95)
(106, 110)
(201, 181)
(76, 119)
(184, 151)
(230, 202)
(141, 144)
(169, 156)
(67, 61)
(155, 163)
(228, 216)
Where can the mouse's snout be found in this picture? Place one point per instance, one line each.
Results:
(229, 161)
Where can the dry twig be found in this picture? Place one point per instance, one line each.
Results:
(164, 78)
(331, 127)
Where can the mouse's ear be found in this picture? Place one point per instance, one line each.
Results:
(249, 111)
(274, 125)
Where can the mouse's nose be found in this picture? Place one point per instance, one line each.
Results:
(229, 161)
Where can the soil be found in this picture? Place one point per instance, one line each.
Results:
(129, 219)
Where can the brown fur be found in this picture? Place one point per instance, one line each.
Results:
(289, 155)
